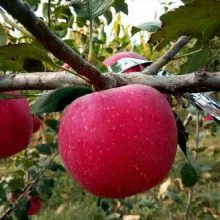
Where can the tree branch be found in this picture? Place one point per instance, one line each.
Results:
(194, 82)
(167, 57)
(52, 43)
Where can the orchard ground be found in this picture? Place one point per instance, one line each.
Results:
(69, 201)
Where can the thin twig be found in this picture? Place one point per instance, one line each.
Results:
(90, 40)
(187, 54)
(73, 72)
(48, 12)
(197, 139)
(90, 33)
(30, 185)
(167, 57)
(190, 193)
(189, 203)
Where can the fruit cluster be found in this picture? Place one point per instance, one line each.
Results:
(114, 143)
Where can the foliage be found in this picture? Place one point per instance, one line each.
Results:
(90, 9)
(14, 57)
(191, 19)
(58, 99)
(147, 26)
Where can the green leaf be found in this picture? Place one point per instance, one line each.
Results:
(182, 135)
(60, 28)
(12, 57)
(58, 99)
(147, 26)
(33, 172)
(195, 62)
(189, 175)
(199, 19)
(16, 183)
(52, 123)
(134, 30)
(182, 142)
(54, 166)
(3, 36)
(21, 208)
(90, 9)
(120, 6)
(45, 186)
(3, 196)
(81, 21)
(44, 149)
(108, 16)
(63, 12)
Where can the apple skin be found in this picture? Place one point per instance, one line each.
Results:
(207, 118)
(118, 142)
(15, 126)
(34, 205)
(36, 123)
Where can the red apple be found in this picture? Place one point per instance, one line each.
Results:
(34, 205)
(116, 57)
(36, 123)
(118, 142)
(15, 126)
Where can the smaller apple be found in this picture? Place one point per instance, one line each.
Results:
(36, 123)
(64, 66)
(15, 125)
(130, 55)
(34, 202)
(123, 55)
(34, 205)
(207, 118)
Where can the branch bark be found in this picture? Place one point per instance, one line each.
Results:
(52, 43)
(194, 82)
(167, 57)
